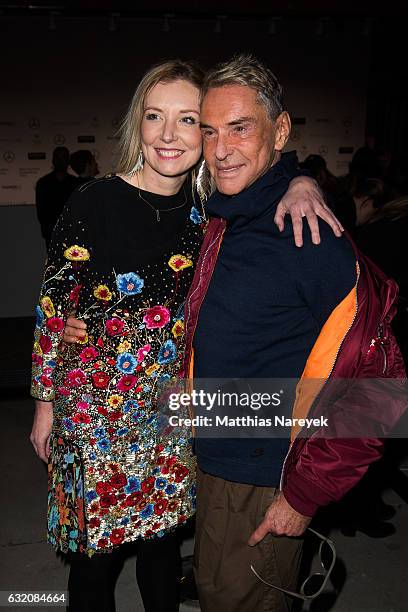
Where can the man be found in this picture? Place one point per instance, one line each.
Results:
(84, 164)
(52, 192)
(256, 309)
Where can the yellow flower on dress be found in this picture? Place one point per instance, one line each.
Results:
(152, 369)
(178, 329)
(179, 262)
(102, 293)
(83, 340)
(47, 306)
(115, 400)
(37, 350)
(124, 346)
(76, 253)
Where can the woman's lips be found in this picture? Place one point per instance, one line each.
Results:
(169, 153)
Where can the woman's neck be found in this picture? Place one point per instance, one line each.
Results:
(149, 180)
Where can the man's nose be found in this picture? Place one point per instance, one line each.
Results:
(223, 148)
(169, 132)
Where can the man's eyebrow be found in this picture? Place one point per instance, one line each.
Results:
(237, 121)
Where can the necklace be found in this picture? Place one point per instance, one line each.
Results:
(156, 210)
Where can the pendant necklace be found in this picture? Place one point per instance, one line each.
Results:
(156, 210)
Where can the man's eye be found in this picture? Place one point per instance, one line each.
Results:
(208, 133)
(151, 116)
(189, 120)
(240, 129)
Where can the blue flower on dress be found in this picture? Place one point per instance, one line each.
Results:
(91, 495)
(53, 517)
(122, 431)
(167, 353)
(146, 512)
(160, 483)
(39, 316)
(129, 283)
(195, 216)
(73, 534)
(68, 424)
(170, 489)
(124, 521)
(126, 363)
(73, 545)
(129, 405)
(69, 457)
(100, 432)
(103, 444)
(68, 484)
(133, 448)
(132, 485)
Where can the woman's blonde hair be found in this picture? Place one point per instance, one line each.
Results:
(128, 154)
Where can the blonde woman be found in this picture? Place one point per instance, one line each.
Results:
(122, 256)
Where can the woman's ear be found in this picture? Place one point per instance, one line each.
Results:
(282, 130)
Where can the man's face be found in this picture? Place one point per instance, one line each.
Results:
(239, 138)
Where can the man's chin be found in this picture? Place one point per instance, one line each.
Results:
(229, 187)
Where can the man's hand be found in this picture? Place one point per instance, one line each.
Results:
(41, 431)
(74, 331)
(304, 199)
(281, 520)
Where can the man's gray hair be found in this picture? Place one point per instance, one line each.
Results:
(247, 70)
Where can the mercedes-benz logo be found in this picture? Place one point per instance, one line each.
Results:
(33, 123)
(59, 139)
(9, 157)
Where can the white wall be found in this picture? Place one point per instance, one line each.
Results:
(77, 81)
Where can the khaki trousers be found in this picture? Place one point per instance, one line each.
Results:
(227, 514)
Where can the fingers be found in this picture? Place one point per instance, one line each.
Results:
(41, 448)
(70, 338)
(76, 323)
(279, 217)
(297, 224)
(259, 533)
(327, 215)
(313, 226)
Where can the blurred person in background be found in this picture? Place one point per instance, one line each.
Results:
(52, 192)
(84, 164)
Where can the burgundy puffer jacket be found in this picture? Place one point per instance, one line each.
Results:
(355, 343)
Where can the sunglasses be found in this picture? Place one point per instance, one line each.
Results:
(316, 582)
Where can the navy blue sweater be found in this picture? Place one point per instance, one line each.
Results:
(265, 306)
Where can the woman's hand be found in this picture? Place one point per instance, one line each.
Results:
(304, 199)
(41, 431)
(74, 330)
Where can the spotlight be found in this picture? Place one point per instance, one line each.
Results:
(166, 22)
(218, 24)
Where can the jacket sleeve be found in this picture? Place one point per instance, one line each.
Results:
(66, 265)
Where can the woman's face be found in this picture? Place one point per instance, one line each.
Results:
(170, 129)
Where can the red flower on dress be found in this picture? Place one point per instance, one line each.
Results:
(103, 488)
(45, 381)
(103, 543)
(81, 418)
(160, 507)
(74, 295)
(158, 316)
(173, 504)
(88, 353)
(55, 324)
(142, 352)
(134, 498)
(64, 391)
(118, 481)
(100, 380)
(94, 522)
(108, 500)
(117, 535)
(115, 416)
(45, 343)
(114, 327)
(180, 472)
(75, 378)
(148, 484)
(127, 382)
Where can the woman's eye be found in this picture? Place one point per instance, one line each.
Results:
(151, 116)
(189, 120)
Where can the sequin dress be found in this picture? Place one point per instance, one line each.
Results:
(113, 476)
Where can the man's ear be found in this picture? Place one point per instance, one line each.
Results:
(282, 132)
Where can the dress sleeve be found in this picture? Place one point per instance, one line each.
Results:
(65, 268)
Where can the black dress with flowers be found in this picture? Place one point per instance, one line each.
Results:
(113, 475)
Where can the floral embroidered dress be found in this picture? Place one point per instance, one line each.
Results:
(113, 476)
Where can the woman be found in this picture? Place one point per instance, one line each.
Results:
(122, 257)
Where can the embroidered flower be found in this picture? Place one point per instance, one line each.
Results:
(83, 340)
(103, 444)
(102, 293)
(45, 381)
(178, 329)
(47, 306)
(74, 295)
(158, 316)
(146, 512)
(88, 353)
(39, 316)
(75, 378)
(179, 262)
(151, 369)
(100, 380)
(142, 352)
(127, 382)
(118, 481)
(129, 283)
(195, 216)
(126, 363)
(160, 507)
(132, 485)
(45, 344)
(115, 400)
(114, 327)
(117, 536)
(167, 353)
(81, 418)
(123, 347)
(76, 253)
(55, 324)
